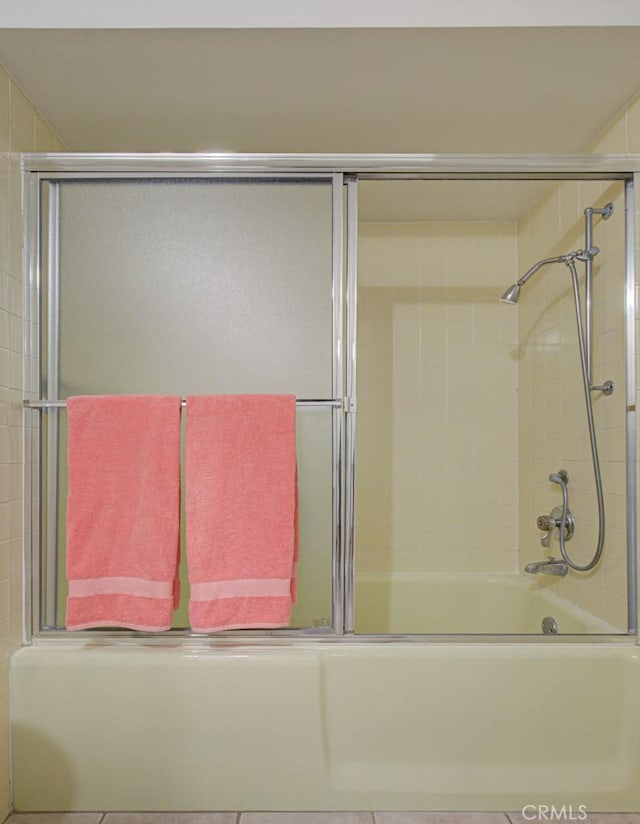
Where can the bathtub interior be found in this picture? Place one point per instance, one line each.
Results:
(465, 603)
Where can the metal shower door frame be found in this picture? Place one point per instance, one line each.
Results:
(42, 191)
(345, 170)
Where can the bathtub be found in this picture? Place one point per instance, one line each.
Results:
(329, 726)
(459, 603)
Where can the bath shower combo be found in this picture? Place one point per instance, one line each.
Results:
(157, 262)
(560, 520)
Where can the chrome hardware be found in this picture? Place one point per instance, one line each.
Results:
(584, 255)
(544, 523)
(346, 404)
(585, 341)
(550, 566)
(605, 212)
(560, 477)
(549, 625)
(606, 388)
(552, 521)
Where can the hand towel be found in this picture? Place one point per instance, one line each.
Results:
(241, 510)
(123, 509)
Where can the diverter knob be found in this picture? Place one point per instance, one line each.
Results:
(545, 523)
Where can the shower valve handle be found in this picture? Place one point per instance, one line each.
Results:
(546, 523)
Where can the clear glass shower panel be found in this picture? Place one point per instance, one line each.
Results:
(467, 406)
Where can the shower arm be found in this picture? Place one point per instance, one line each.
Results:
(559, 259)
(586, 255)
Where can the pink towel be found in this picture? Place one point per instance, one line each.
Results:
(241, 509)
(123, 509)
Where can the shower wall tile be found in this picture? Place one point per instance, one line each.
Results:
(21, 130)
(552, 424)
(436, 462)
(569, 207)
(547, 425)
(633, 126)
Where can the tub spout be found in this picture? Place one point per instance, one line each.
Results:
(550, 566)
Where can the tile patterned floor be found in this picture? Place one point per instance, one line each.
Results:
(305, 818)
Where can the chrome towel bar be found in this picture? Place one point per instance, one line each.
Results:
(40, 404)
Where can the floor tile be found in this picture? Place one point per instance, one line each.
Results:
(306, 818)
(612, 818)
(592, 818)
(54, 818)
(170, 818)
(441, 818)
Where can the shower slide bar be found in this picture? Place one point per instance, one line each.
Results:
(333, 402)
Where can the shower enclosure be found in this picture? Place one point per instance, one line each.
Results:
(430, 416)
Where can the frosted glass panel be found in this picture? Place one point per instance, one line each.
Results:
(203, 287)
(196, 287)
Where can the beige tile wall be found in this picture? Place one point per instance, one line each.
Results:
(420, 316)
(21, 130)
(553, 427)
(437, 436)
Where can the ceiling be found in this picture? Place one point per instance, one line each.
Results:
(329, 90)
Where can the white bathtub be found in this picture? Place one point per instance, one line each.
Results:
(356, 725)
(465, 603)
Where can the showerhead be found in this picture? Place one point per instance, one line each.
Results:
(512, 294)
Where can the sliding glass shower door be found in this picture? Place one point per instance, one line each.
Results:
(207, 276)
(469, 408)
(184, 286)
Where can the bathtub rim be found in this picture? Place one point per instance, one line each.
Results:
(188, 640)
